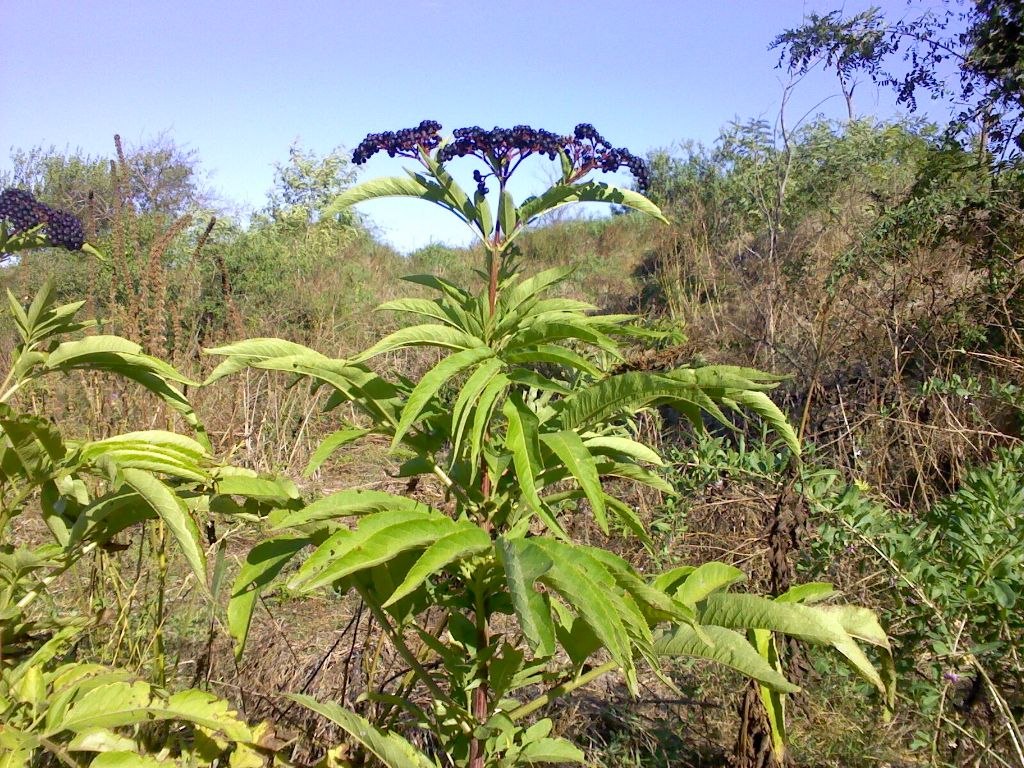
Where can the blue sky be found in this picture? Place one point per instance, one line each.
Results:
(239, 81)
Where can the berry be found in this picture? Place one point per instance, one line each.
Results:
(21, 209)
(405, 142)
(503, 148)
(64, 230)
(24, 212)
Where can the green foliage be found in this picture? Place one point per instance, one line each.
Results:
(88, 493)
(306, 184)
(960, 559)
(521, 423)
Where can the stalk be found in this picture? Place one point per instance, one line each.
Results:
(561, 690)
(160, 657)
(481, 705)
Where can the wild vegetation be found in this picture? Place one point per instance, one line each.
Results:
(731, 476)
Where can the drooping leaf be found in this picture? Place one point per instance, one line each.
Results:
(262, 565)
(730, 649)
(524, 564)
(352, 503)
(523, 442)
(573, 454)
(706, 579)
(430, 335)
(591, 591)
(591, 192)
(330, 444)
(390, 748)
(241, 354)
(468, 539)
(172, 510)
(809, 623)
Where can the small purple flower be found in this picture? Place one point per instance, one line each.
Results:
(952, 677)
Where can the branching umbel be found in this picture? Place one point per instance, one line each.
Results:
(521, 423)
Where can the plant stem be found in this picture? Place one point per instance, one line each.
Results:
(402, 648)
(560, 690)
(481, 705)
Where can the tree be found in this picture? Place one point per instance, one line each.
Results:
(307, 183)
(910, 55)
(156, 177)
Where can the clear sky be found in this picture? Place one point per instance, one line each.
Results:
(239, 81)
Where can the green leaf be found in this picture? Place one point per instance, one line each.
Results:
(352, 503)
(330, 444)
(433, 309)
(524, 564)
(811, 592)
(591, 192)
(809, 623)
(535, 380)
(176, 517)
(769, 412)
(550, 353)
(376, 540)
(507, 213)
(569, 448)
(467, 399)
(549, 750)
(107, 706)
(591, 592)
(101, 740)
(123, 357)
(467, 540)
(706, 579)
(432, 381)
(774, 701)
(730, 649)
(522, 441)
(126, 759)
(128, 703)
(390, 748)
(262, 565)
(385, 186)
(241, 354)
(237, 481)
(429, 335)
(482, 415)
(624, 446)
(448, 288)
(154, 451)
(611, 397)
(37, 446)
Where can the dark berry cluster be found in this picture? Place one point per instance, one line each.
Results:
(64, 230)
(24, 212)
(404, 143)
(481, 182)
(591, 150)
(504, 148)
(502, 143)
(21, 209)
